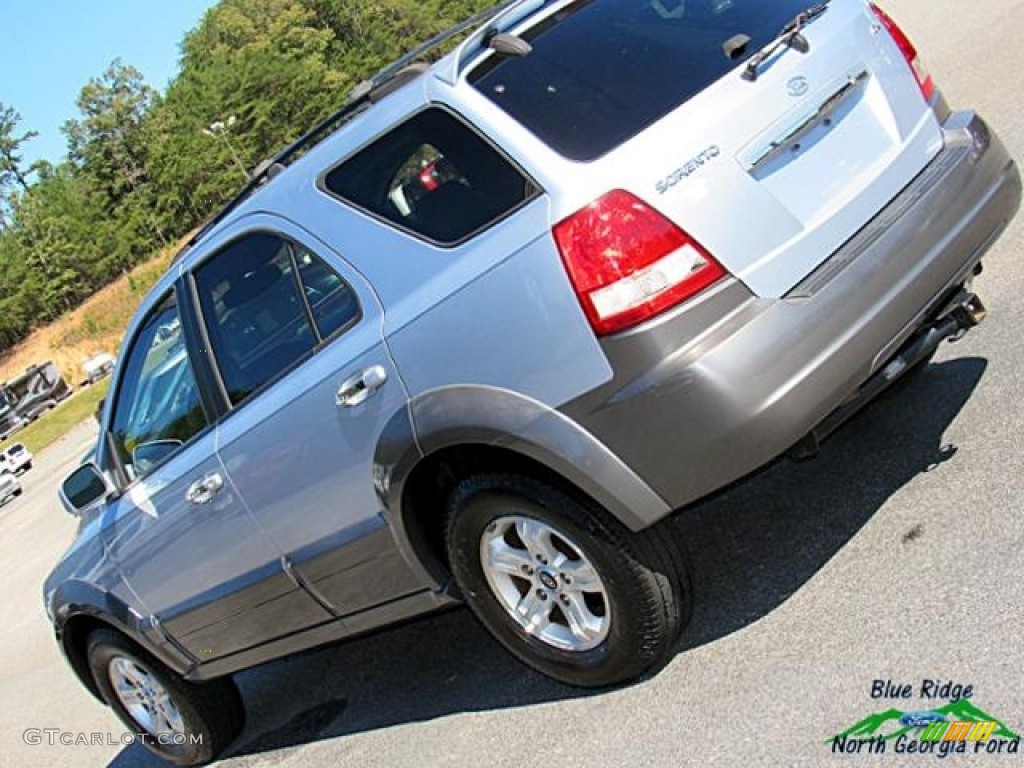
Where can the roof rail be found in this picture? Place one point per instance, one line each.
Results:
(504, 18)
(368, 92)
(417, 53)
(270, 167)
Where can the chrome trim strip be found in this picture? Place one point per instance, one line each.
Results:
(797, 129)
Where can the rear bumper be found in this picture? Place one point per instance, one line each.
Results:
(714, 390)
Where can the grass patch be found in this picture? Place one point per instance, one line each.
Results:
(54, 424)
(96, 326)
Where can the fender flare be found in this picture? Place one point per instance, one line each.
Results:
(485, 415)
(74, 601)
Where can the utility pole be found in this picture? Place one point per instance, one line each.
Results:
(221, 129)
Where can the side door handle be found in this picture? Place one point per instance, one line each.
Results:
(204, 489)
(357, 389)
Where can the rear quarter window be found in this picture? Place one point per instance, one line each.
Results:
(434, 177)
(602, 71)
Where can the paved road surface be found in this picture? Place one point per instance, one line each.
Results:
(895, 555)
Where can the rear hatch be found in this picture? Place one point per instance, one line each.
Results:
(770, 174)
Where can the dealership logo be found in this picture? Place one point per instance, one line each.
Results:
(960, 730)
(956, 727)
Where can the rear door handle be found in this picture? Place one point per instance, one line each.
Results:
(357, 389)
(204, 489)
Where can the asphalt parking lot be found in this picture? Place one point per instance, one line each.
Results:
(896, 556)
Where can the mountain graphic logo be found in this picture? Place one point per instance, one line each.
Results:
(887, 725)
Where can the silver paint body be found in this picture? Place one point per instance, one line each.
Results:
(486, 344)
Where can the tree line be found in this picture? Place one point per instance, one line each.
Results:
(144, 167)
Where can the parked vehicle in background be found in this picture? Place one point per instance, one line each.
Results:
(479, 335)
(38, 389)
(169, 330)
(97, 367)
(10, 486)
(10, 420)
(18, 458)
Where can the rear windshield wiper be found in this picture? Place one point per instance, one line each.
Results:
(790, 37)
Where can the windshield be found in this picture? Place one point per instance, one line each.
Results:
(602, 71)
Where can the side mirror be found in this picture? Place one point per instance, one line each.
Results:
(145, 456)
(82, 488)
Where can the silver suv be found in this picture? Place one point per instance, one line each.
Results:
(477, 335)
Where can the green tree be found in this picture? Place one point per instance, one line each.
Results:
(13, 174)
(263, 62)
(140, 169)
(370, 35)
(108, 147)
(59, 260)
(10, 147)
(107, 141)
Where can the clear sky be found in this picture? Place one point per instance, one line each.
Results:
(51, 48)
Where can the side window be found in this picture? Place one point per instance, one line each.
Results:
(433, 176)
(257, 320)
(332, 301)
(158, 408)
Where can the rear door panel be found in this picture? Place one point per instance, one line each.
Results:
(305, 465)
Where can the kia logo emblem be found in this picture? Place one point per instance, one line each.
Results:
(797, 86)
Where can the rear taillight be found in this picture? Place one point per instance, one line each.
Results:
(924, 79)
(628, 263)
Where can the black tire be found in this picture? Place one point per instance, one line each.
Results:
(18, 492)
(212, 712)
(645, 575)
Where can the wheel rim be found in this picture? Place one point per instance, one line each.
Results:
(546, 583)
(144, 697)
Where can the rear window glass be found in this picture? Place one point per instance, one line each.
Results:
(602, 71)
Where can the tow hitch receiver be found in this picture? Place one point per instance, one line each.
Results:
(961, 314)
(972, 311)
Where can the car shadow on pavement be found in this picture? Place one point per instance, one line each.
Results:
(421, 670)
(760, 541)
(753, 546)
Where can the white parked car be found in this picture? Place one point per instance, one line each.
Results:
(9, 485)
(18, 458)
(99, 366)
